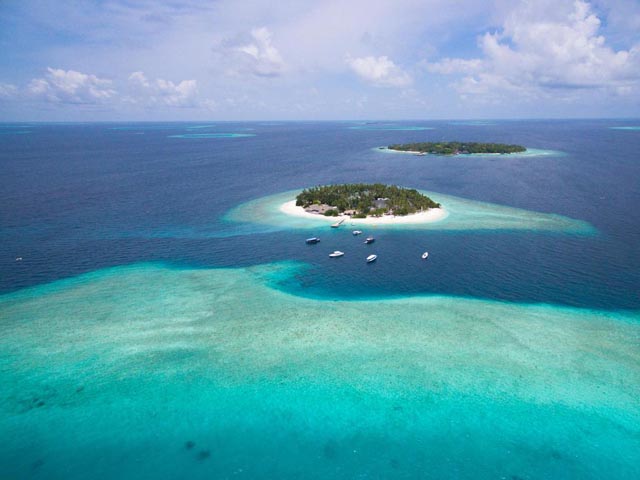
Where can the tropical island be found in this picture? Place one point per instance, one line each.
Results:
(456, 148)
(361, 200)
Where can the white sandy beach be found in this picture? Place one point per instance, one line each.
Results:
(529, 152)
(391, 150)
(424, 154)
(432, 215)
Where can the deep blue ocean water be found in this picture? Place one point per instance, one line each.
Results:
(76, 198)
(143, 335)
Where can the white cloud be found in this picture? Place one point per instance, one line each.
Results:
(252, 55)
(163, 92)
(546, 51)
(7, 90)
(379, 71)
(139, 79)
(542, 49)
(456, 65)
(265, 59)
(69, 86)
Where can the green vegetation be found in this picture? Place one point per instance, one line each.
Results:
(455, 148)
(366, 199)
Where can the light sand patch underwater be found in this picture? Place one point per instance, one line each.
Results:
(461, 214)
(389, 127)
(152, 372)
(212, 135)
(199, 127)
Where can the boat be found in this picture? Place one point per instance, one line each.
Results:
(312, 240)
(337, 253)
(371, 258)
(370, 240)
(337, 224)
(425, 255)
(357, 232)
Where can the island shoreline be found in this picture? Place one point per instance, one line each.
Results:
(430, 216)
(424, 154)
(457, 148)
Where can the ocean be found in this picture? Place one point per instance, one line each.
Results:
(158, 319)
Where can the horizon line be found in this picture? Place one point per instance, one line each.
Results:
(328, 120)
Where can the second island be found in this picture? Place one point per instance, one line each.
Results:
(456, 148)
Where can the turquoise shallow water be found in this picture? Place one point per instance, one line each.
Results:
(213, 135)
(462, 215)
(152, 372)
(389, 127)
(198, 127)
(15, 132)
(225, 363)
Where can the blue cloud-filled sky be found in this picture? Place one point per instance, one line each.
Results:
(318, 60)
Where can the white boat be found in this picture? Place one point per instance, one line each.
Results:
(357, 232)
(425, 255)
(312, 240)
(337, 224)
(337, 253)
(371, 258)
(370, 240)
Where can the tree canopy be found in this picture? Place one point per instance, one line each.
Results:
(367, 199)
(455, 148)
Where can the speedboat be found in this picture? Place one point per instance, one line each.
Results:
(425, 255)
(337, 253)
(357, 232)
(371, 258)
(370, 240)
(312, 240)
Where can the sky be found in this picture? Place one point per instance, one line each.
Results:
(130, 60)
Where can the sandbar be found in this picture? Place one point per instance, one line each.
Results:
(430, 216)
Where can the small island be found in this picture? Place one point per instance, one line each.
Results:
(361, 200)
(456, 148)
